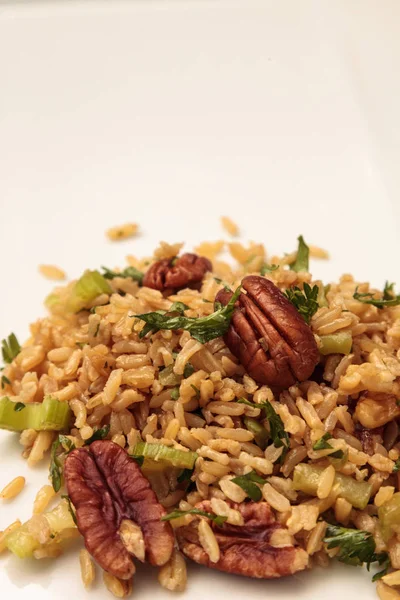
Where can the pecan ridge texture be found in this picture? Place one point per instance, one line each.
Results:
(187, 270)
(269, 336)
(107, 487)
(245, 550)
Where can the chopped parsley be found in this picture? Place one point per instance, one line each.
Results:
(323, 444)
(389, 298)
(10, 348)
(99, 434)
(131, 272)
(305, 300)
(302, 258)
(248, 483)
(277, 431)
(202, 329)
(196, 390)
(70, 508)
(176, 514)
(67, 446)
(19, 406)
(396, 467)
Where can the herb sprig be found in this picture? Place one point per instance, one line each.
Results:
(202, 329)
(99, 434)
(10, 348)
(55, 463)
(176, 514)
(389, 298)
(277, 431)
(323, 444)
(305, 300)
(248, 484)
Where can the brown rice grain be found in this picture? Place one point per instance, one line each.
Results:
(12, 489)
(315, 541)
(122, 232)
(208, 541)
(43, 499)
(259, 464)
(385, 592)
(239, 435)
(230, 226)
(275, 499)
(118, 587)
(3, 535)
(87, 568)
(383, 495)
(343, 510)
(41, 444)
(132, 538)
(326, 482)
(231, 490)
(52, 272)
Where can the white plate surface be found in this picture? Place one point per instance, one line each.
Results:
(283, 115)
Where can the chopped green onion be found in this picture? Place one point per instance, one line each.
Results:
(4, 381)
(10, 348)
(336, 343)
(323, 444)
(86, 289)
(176, 514)
(51, 415)
(160, 452)
(19, 406)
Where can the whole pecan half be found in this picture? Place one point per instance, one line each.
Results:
(268, 335)
(248, 549)
(187, 270)
(108, 488)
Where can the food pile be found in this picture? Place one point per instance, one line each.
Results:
(242, 417)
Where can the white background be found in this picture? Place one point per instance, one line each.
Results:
(283, 115)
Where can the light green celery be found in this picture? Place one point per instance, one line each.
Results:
(51, 414)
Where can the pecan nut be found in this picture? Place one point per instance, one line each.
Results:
(268, 335)
(260, 548)
(107, 489)
(186, 271)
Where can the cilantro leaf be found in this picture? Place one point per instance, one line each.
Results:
(355, 547)
(389, 298)
(175, 514)
(248, 484)
(55, 464)
(268, 268)
(202, 329)
(323, 444)
(19, 406)
(303, 252)
(10, 348)
(277, 431)
(305, 300)
(131, 272)
(99, 434)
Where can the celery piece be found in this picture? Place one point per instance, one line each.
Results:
(336, 343)
(168, 377)
(307, 477)
(51, 300)
(51, 414)
(261, 435)
(389, 517)
(90, 285)
(321, 298)
(22, 543)
(172, 456)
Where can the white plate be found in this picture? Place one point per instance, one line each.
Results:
(280, 114)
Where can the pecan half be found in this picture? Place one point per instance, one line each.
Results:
(107, 488)
(187, 270)
(269, 336)
(248, 549)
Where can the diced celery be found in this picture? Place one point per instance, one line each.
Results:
(389, 517)
(51, 414)
(90, 285)
(336, 343)
(23, 544)
(51, 300)
(321, 298)
(172, 456)
(307, 477)
(168, 377)
(261, 435)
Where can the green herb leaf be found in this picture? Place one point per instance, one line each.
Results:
(175, 393)
(323, 444)
(248, 484)
(70, 508)
(188, 370)
(19, 406)
(303, 251)
(55, 466)
(10, 348)
(178, 307)
(4, 381)
(218, 520)
(355, 547)
(131, 272)
(396, 467)
(202, 329)
(384, 560)
(268, 268)
(305, 300)
(277, 430)
(99, 434)
(388, 299)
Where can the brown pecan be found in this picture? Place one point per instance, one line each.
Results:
(248, 549)
(187, 270)
(269, 336)
(108, 488)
